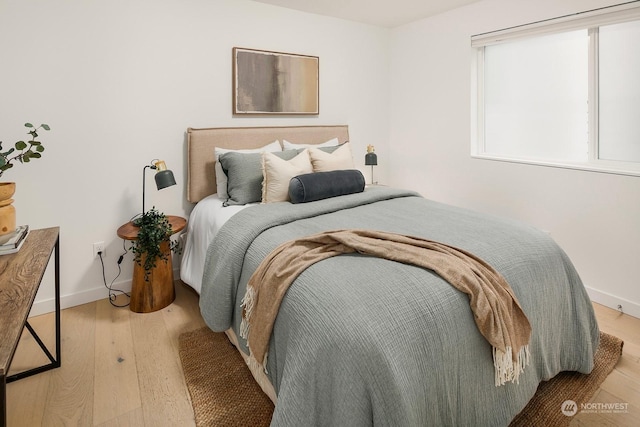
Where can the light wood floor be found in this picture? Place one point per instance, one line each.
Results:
(122, 369)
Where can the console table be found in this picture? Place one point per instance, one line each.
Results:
(20, 277)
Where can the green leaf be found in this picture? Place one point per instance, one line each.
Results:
(25, 159)
(34, 155)
(21, 145)
(29, 125)
(39, 148)
(2, 161)
(45, 126)
(11, 150)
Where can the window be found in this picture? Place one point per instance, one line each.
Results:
(562, 92)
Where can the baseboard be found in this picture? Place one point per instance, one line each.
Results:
(612, 301)
(84, 297)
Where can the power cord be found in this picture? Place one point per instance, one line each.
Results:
(112, 290)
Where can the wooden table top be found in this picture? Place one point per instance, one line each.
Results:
(129, 231)
(20, 276)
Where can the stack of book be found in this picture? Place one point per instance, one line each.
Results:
(12, 242)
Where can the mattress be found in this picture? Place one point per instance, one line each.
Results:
(206, 219)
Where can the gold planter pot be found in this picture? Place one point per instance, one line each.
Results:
(7, 211)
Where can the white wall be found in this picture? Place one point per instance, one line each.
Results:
(595, 217)
(120, 81)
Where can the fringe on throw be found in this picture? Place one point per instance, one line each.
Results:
(247, 307)
(256, 366)
(505, 367)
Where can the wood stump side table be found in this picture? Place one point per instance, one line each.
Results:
(159, 291)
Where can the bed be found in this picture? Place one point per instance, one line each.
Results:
(361, 340)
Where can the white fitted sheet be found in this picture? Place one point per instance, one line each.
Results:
(204, 222)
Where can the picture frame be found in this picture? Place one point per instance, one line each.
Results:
(275, 83)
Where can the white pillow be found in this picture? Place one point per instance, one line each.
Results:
(221, 177)
(291, 146)
(325, 162)
(277, 173)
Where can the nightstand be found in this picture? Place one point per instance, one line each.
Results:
(159, 291)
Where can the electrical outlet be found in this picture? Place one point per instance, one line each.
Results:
(98, 247)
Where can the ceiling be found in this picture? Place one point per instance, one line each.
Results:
(384, 13)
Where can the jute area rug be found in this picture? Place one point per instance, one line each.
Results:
(223, 392)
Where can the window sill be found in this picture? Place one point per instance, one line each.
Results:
(600, 167)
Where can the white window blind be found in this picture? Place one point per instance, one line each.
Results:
(619, 92)
(536, 97)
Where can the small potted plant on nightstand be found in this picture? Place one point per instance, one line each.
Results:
(154, 237)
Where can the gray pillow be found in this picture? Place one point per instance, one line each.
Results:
(330, 149)
(310, 187)
(244, 172)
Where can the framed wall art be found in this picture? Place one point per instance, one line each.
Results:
(267, 82)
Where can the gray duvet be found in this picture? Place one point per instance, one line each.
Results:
(363, 341)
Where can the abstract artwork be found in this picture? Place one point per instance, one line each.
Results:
(274, 83)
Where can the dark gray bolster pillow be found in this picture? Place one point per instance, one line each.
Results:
(322, 185)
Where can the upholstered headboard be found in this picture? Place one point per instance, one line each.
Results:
(201, 176)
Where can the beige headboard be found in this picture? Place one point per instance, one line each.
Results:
(201, 176)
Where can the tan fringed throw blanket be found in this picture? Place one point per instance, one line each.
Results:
(497, 312)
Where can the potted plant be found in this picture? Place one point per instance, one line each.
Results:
(154, 242)
(22, 152)
(31, 149)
